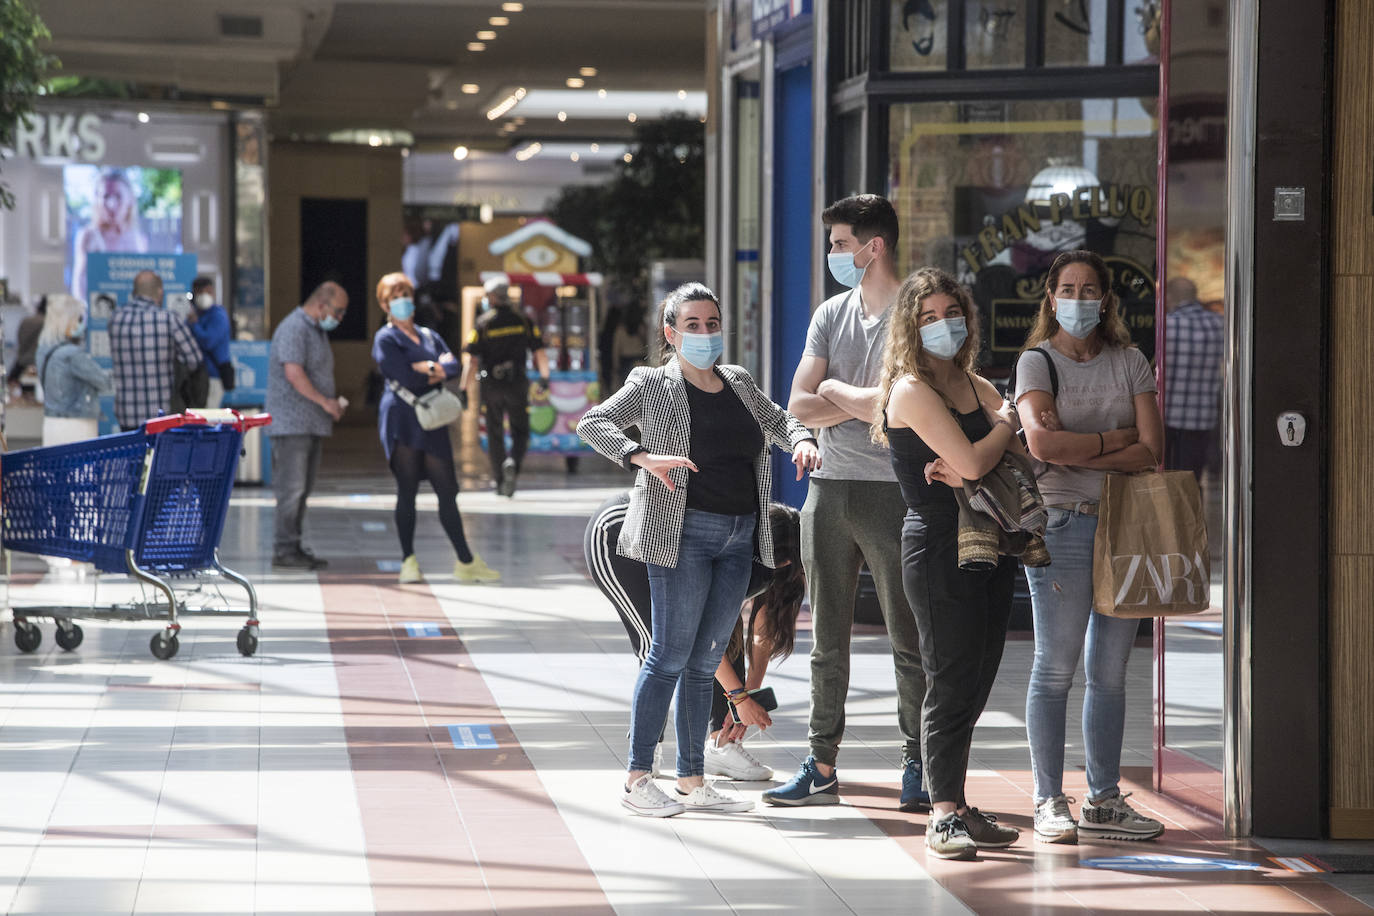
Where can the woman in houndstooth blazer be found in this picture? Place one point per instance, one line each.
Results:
(704, 480)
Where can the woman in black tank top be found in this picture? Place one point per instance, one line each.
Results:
(945, 425)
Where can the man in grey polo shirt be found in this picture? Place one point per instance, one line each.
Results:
(304, 409)
(854, 508)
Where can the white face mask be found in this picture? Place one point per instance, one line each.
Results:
(204, 301)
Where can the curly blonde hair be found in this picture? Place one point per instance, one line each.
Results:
(1112, 328)
(904, 354)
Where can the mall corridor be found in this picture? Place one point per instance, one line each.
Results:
(442, 748)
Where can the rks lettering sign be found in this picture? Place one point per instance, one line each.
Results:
(60, 136)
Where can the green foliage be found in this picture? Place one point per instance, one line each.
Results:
(23, 68)
(654, 207)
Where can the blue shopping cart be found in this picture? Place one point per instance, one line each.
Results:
(149, 503)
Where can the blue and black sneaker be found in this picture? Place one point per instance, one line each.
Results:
(808, 787)
(914, 795)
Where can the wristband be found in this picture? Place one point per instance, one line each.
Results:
(1101, 445)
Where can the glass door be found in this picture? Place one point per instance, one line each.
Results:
(1189, 650)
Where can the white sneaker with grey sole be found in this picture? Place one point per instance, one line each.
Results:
(1113, 819)
(1054, 822)
(646, 799)
(734, 761)
(705, 798)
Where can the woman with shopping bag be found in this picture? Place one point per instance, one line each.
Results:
(1086, 399)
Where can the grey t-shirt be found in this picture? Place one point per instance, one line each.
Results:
(852, 346)
(1094, 397)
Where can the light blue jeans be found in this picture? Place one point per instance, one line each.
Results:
(695, 606)
(1062, 602)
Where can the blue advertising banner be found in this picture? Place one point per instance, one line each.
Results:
(109, 284)
(250, 373)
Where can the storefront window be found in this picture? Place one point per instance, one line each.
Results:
(993, 190)
(919, 31)
(1075, 32)
(747, 334)
(994, 34)
(1140, 43)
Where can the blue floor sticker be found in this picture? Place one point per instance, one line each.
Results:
(1170, 863)
(423, 629)
(389, 565)
(470, 735)
(374, 526)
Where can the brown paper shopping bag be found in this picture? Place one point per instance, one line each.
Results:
(1150, 555)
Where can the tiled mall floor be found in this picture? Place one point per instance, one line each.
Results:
(324, 774)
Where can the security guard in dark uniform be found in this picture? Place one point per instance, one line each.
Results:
(496, 348)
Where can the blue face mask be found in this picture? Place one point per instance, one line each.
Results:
(79, 331)
(841, 264)
(1078, 316)
(701, 350)
(942, 339)
(328, 323)
(402, 308)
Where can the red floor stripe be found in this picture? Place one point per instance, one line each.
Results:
(446, 830)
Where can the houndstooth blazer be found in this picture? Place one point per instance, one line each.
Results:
(656, 401)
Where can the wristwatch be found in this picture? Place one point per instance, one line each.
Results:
(431, 367)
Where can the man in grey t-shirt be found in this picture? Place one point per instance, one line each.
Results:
(304, 409)
(854, 509)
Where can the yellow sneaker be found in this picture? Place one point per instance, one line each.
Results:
(476, 571)
(410, 570)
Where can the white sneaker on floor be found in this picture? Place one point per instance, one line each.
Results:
(1112, 819)
(734, 761)
(1054, 822)
(646, 799)
(705, 798)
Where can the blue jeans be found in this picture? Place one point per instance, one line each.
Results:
(1062, 602)
(695, 606)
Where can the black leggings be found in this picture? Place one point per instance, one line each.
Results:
(411, 465)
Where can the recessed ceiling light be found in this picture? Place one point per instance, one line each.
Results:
(574, 157)
(498, 21)
(405, 152)
(632, 117)
(143, 117)
(506, 104)
(486, 35)
(682, 93)
(476, 46)
(529, 152)
(470, 88)
(374, 140)
(460, 153)
(627, 157)
(601, 93)
(562, 116)
(596, 147)
(576, 82)
(512, 7)
(588, 71)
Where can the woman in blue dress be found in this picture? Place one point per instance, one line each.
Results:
(417, 359)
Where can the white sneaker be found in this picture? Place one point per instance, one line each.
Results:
(734, 761)
(1053, 821)
(646, 799)
(705, 798)
(1113, 819)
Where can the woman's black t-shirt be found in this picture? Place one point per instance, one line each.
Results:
(725, 441)
(910, 455)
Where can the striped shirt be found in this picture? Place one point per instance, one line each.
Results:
(145, 338)
(1194, 340)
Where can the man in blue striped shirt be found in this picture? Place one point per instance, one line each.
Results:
(145, 340)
